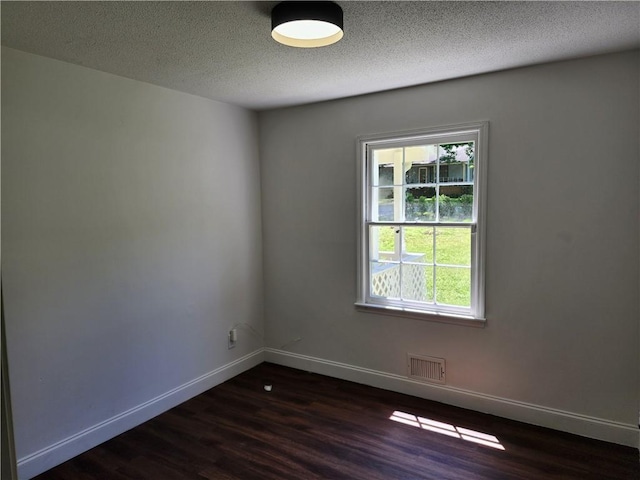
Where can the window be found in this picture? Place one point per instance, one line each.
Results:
(422, 175)
(422, 223)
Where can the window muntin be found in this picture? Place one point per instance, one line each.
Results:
(420, 246)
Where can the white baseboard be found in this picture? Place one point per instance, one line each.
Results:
(61, 451)
(610, 431)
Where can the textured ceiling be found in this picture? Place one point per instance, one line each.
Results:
(223, 50)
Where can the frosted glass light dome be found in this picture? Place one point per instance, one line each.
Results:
(307, 24)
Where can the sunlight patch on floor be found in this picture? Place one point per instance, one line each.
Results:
(447, 429)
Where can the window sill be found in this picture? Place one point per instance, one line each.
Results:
(440, 317)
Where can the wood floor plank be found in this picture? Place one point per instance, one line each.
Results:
(311, 427)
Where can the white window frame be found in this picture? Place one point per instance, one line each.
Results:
(475, 315)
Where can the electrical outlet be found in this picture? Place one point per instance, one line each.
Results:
(233, 337)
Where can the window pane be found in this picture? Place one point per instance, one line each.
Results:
(420, 164)
(382, 204)
(420, 204)
(453, 286)
(385, 279)
(418, 244)
(453, 246)
(457, 152)
(456, 203)
(384, 243)
(417, 282)
(385, 175)
(383, 165)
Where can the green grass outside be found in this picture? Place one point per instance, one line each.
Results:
(453, 247)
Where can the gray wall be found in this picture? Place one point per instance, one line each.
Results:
(562, 235)
(131, 238)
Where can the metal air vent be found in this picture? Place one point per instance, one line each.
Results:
(426, 369)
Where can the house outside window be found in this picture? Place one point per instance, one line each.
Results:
(421, 245)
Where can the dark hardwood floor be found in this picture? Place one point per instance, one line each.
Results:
(315, 427)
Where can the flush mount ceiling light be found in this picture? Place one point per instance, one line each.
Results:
(306, 24)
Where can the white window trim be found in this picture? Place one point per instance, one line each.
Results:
(406, 138)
